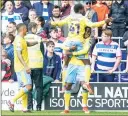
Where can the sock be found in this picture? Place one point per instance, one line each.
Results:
(19, 94)
(87, 73)
(64, 76)
(25, 101)
(84, 98)
(67, 96)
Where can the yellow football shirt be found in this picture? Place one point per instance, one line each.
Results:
(76, 25)
(20, 45)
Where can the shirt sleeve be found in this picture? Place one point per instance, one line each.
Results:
(18, 45)
(84, 50)
(95, 52)
(96, 24)
(61, 22)
(118, 52)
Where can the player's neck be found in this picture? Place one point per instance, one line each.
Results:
(21, 35)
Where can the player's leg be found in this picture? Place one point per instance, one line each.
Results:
(70, 79)
(81, 78)
(84, 100)
(87, 71)
(67, 96)
(25, 80)
(25, 102)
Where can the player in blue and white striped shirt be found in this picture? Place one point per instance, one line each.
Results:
(108, 55)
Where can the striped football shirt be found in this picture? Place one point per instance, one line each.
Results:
(106, 55)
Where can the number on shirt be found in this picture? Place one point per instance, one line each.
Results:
(74, 28)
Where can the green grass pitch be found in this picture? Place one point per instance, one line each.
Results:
(57, 113)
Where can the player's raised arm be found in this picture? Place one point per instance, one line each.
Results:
(97, 24)
(61, 22)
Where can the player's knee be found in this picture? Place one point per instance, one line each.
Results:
(68, 86)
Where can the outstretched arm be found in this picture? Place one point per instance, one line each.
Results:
(61, 22)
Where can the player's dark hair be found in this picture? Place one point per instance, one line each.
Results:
(32, 25)
(50, 43)
(78, 7)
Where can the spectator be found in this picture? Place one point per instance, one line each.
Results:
(101, 9)
(119, 13)
(9, 16)
(53, 37)
(43, 8)
(109, 3)
(66, 8)
(35, 55)
(52, 62)
(31, 17)
(108, 55)
(11, 28)
(32, 2)
(55, 17)
(102, 13)
(6, 63)
(40, 24)
(8, 46)
(92, 16)
(27, 3)
(125, 40)
(21, 9)
(60, 34)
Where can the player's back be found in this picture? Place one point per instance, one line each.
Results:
(76, 26)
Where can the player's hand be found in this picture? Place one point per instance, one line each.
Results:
(73, 48)
(108, 20)
(28, 70)
(110, 71)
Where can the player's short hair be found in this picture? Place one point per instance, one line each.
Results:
(107, 32)
(32, 25)
(50, 43)
(10, 36)
(19, 26)
(78, 7)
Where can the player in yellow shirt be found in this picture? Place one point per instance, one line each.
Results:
(76, 24)
(76, 69)
(21, 67)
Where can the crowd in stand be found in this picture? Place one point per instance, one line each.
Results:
(36, 15)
